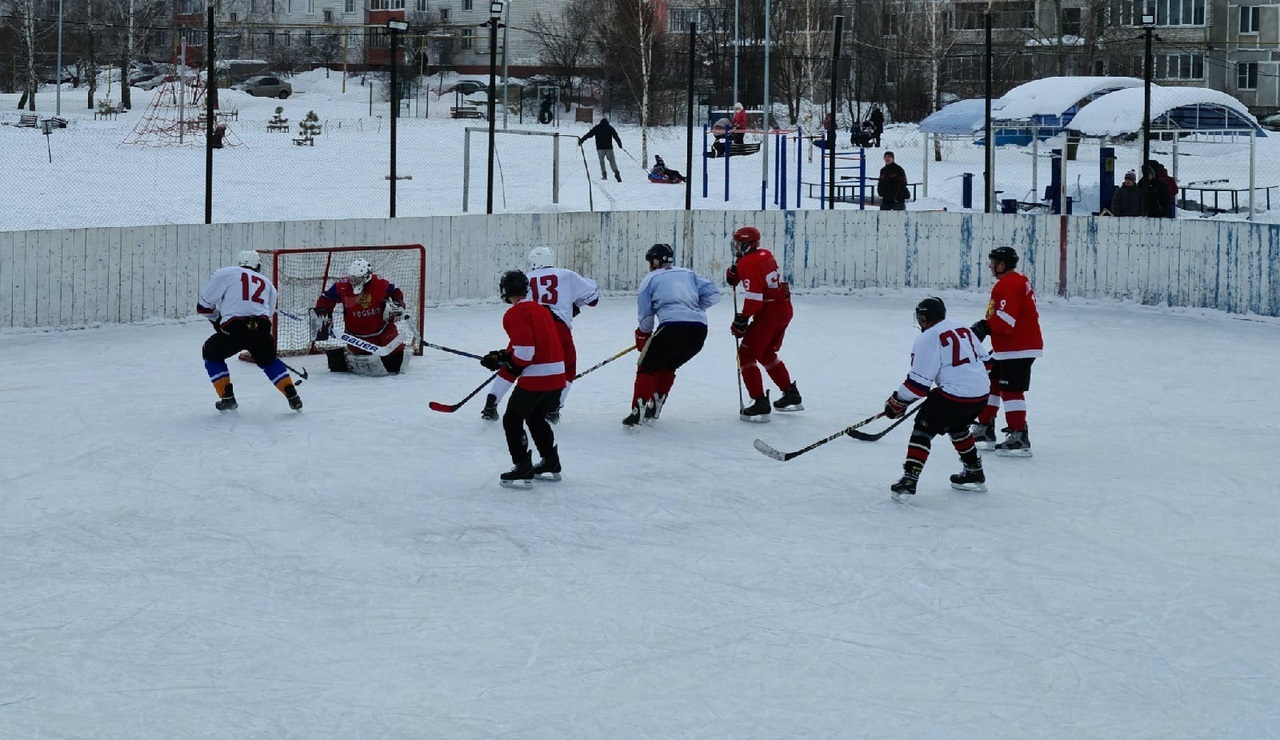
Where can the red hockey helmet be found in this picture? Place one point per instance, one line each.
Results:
(745, 239)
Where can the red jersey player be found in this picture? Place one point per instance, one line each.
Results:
(761, 323)
(370, 306)
(534, 361)
(1013, 322)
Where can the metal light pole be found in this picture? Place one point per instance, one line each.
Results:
(1148, 20)
(495, 14)
(506, 80)
(58, 95)
(837, 40)
(396, 27)
(737, 42)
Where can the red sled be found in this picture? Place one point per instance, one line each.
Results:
(660, 180)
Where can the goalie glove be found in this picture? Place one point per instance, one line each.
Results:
(393, 310)
(321, 321)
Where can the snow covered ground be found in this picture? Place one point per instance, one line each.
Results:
(94, 181)
(354, 571)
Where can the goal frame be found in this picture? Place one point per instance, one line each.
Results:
(416, 310)
(466, 158)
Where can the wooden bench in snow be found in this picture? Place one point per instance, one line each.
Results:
(28, 120)
(465, 111)
(735, 150)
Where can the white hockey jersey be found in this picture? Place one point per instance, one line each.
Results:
(237, 292)
(560, 290)
(949, 356)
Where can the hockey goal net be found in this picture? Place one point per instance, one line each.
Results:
(301, 275)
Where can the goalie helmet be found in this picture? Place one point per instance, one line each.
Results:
(513, 282)
(359, 274)
(250, 259)
(660, 253)
(1007, 255)
(930, 311)
(745, 239)
(541, 257)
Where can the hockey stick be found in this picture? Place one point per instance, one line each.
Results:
(776, 454)
(370, 347)
(737, 354)
(873, 437)
(302, 374)
(604, 362)
(425, 343)
(449, 409)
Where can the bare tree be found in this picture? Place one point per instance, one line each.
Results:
(627, 42)
(564, 40)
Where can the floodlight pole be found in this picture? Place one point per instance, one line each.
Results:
(495, 14)
(837, 35)
(395, 28)
(1147, 22)
(58, 94)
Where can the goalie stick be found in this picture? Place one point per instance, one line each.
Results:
(370, 347)
(449, 409)
(865, 437)
(771, 451)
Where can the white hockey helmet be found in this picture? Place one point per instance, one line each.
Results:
(541, 257)
(359, 273)
(250, 259)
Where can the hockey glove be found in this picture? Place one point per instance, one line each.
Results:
(509, 364)
(739, 325)
(493, 360)
(392, 310)
(980, 329)
(642, 338)
(731, 275)
(894, 407)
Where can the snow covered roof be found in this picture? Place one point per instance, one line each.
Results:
(1182, 108)
(960, 118)
(1053, 96)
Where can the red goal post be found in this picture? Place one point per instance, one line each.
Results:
(302, 274)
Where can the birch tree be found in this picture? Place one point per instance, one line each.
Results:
(628, 39)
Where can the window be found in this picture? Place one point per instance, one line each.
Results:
(1120, 13)
(271, 38)
(1071, 21)
(285, 38)
(889, 22)
(466, 37)
(311, 6)
(306, 38)
(193, 36)
(236, 16)
(1180, 12)
(420, 6)
(466, 5)
(1249, 19)
(348, 6)
(970, 16)
(890, 73)
(1247, 76)
(444, 18)
(380, 38)
(1180, 66)
(678, 19)
(328, 16)
(288, 6)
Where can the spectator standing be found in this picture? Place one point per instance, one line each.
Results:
(1127, 199)
(1155, 193)
(877, 120)
(892, 187)
(605, 135)
(739, 122)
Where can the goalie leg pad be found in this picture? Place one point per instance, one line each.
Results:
(368, 365)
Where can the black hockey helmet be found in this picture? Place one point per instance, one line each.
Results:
(662, 253)
(930, 311)
(1007, 255)
(513, 282)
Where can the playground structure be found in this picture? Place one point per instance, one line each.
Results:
(851, 184)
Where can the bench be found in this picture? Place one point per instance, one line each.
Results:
(465, 111)
(846, 192)
(278, 124)
(28, 120)
(57, 122)
(109, 112)
(308, 140)
(735, 150)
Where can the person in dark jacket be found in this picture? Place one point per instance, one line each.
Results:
(892, 187)
(1127, 199)
(1155, 194)
(605, 135)
(877, 120)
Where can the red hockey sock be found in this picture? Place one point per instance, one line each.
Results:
(1015, 409)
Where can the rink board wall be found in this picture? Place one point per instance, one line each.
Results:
(84, 277)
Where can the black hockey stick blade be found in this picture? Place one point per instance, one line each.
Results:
(777, 454)
(449, 409)
(865, 437)
(300, 372)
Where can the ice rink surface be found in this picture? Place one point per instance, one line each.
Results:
(355, 572)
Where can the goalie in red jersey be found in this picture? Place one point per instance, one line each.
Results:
(371, 305)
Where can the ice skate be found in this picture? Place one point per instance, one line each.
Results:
(984, 435)
(654, 407)
(548, 468)
(228, 400)
(521, 476)
(758, 411)
(1017, 444)
(553, 417)
(636, 417)
(906, 486)
(790, 400)
(295, 401)
(970, 479)
(490, 410)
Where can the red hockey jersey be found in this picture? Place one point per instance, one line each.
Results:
(361, 312)
(761, 281)
(535, 346)
(1013, 318)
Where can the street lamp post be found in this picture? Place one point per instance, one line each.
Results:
(495, 15)
(58, 95)
(1148, 22)
(395, 27)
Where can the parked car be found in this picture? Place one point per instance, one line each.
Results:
(152, 83)
(1271, 122)
(467, 87)
(266, 86)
